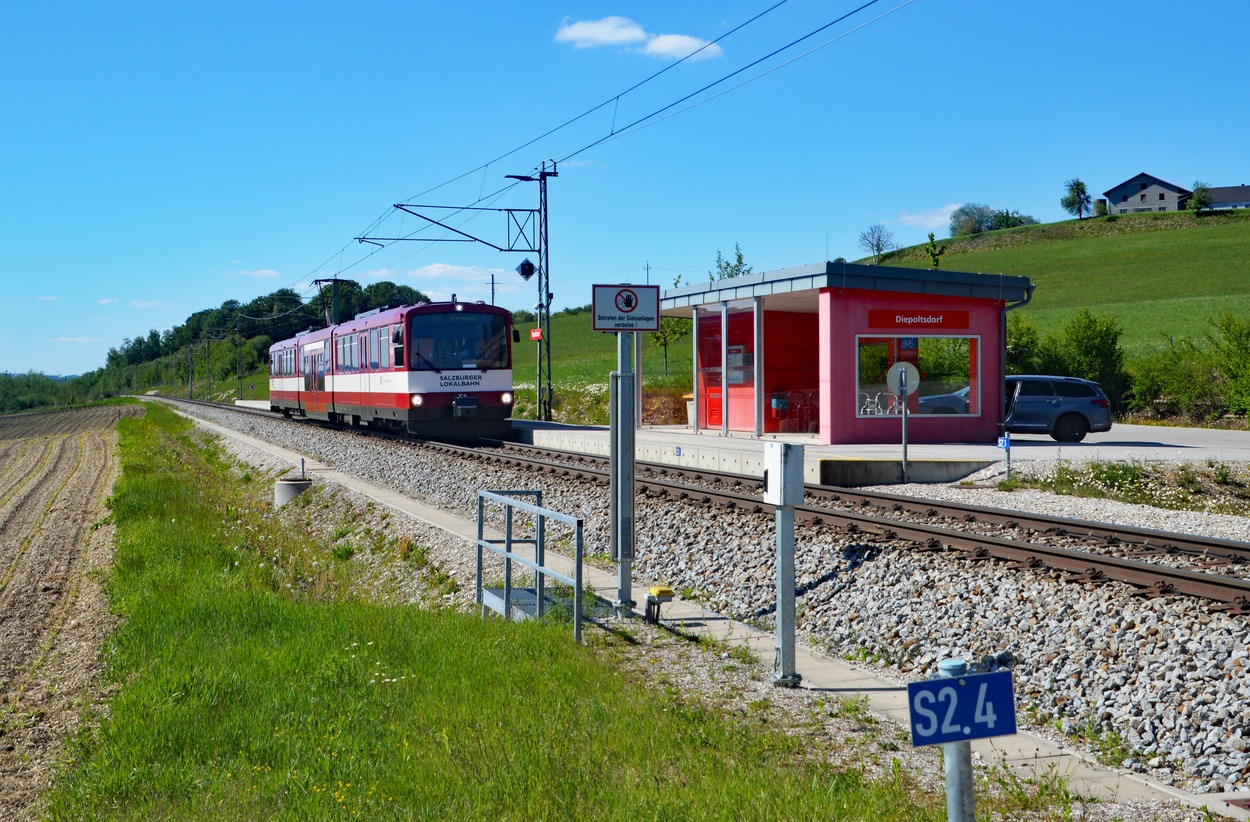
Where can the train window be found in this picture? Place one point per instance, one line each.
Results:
(397, 338)
(458, 341)
(364, 351)
(373, 348)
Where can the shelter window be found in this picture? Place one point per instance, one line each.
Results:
(949, 369)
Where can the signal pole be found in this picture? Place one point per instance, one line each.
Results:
(544, 391)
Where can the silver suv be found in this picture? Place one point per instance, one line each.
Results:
(1067, 408)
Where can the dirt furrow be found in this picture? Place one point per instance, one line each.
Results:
(54, 617)
(25, 455)
(22, 505)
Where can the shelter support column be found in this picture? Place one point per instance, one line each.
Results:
(694, 354)
(757, 309)
(724, 369)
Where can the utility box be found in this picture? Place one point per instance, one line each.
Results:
(783, 473)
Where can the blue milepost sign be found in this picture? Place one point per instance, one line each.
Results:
(960, 708)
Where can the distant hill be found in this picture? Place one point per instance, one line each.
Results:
(1162, 275)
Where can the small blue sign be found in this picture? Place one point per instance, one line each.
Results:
(679, 450)
(960, 708)
(1004, 442)
(906, 343)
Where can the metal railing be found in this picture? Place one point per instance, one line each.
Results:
(511, 502)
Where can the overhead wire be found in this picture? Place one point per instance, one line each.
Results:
(634, 129)
(484, 166)
(715, 83)
(614, 133)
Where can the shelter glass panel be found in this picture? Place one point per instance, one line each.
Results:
(949, 369)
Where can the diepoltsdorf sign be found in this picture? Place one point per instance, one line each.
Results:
(626, 307)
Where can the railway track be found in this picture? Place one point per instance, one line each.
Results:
(1152, 562)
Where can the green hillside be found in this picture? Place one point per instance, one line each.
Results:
(1161, 275)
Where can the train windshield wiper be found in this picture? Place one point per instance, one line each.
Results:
(437, 370)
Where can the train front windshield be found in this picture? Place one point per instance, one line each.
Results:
(458, 341)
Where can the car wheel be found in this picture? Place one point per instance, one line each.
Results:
(1071, 428)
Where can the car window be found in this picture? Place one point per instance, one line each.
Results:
(1036, 388)
(1075, 389)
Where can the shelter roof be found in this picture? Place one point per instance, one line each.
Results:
(794, 289)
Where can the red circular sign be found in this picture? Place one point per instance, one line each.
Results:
(626, 301)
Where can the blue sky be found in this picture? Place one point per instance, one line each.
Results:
(161, 158)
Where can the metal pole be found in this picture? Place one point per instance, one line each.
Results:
(958, 756)
(614, 456)
(694, 356)
(544, 285)
(903, 387)
(637, 383)
(757, 375)
(785, 675)
(624, 472)
(724, 369)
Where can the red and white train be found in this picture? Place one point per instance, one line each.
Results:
(430, 370)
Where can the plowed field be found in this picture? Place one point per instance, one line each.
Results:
(56, 470)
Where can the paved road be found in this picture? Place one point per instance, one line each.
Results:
(1122, 442)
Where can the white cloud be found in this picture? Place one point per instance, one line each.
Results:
(623, 32)
(259, 273)
(469, 283)
(677, 46)
(145, 304)
(453, 273)
(106, 301)
(75, 340)
(929, 220)
(610, 31)
(47, 299)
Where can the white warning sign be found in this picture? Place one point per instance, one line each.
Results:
(626, 307)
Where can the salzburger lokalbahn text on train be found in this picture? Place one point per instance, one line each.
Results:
(430, 370)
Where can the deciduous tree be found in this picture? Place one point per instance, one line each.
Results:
(726, 269)
(1200, 199)
(971, 218)
(1077, 200)
(934, 250)
(877, 240)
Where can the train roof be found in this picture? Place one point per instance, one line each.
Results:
(386, 316)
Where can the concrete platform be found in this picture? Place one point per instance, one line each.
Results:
(1024, 752)
(881, 464)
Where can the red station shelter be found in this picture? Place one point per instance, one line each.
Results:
(806, 351)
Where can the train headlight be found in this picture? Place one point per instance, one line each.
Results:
(506, 398)
(417, 400)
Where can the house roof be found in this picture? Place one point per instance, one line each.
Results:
(792, 289)
(1148, 177)
(1229, 194)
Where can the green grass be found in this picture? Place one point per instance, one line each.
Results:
(251, 682)
(582, 363)
(1162, 275)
